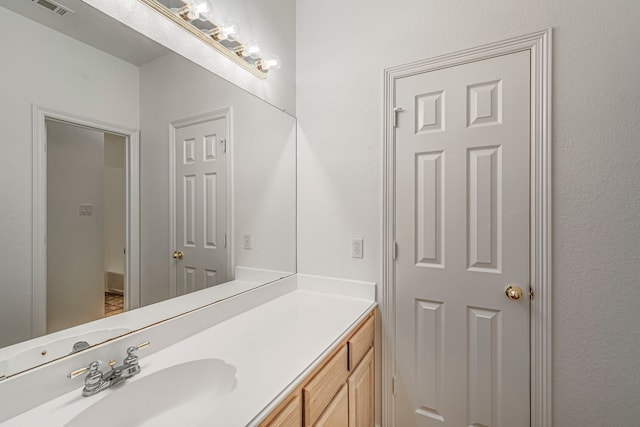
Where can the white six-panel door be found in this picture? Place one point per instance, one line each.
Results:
(201, 206)
(462, 234)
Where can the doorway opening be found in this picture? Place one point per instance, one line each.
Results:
(86, 233)
(86, 220)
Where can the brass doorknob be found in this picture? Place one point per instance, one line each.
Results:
(513, 292)
(178, 255)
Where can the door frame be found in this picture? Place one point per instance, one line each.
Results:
(223, 113)
(39, 196)
(539, 44)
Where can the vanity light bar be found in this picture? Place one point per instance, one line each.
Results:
(233, 50)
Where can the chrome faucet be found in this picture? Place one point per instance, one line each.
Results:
(96, 380)
(79, 346)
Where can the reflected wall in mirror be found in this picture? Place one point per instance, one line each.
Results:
(216, 190)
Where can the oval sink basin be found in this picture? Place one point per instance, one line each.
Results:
(188, 394)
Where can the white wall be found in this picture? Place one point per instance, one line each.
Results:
(596, 180)
(272, 22)
(75, 243)
(263, 161)
(44, 67)
(53, 70)
(115, 181)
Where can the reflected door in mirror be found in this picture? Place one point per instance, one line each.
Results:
(201, 205)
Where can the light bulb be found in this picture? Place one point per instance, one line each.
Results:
(203, 7)
(194, 9)
(229, 31)
(272, 62)
(251, 49)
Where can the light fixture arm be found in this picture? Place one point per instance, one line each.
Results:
(246, 55)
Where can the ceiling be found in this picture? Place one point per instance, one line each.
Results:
(91, 27)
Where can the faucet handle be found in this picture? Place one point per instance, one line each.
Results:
(132, 359)
(140, 346)
(130, 364)
(93, 366)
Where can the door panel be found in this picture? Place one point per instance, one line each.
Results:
(429, 209)
(201, 206)
(430, 352)
(462, 230)
(361, 386)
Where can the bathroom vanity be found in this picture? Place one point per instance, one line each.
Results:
(340, 391)
(299, 351)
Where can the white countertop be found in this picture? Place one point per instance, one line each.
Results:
(272, 346)
(31, 353)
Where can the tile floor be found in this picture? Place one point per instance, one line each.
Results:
(113, 303)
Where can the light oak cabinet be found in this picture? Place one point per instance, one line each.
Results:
(337, 413)
(289, 414)
(340, 392)
(321, 389)
(359, 343)
(361, 398)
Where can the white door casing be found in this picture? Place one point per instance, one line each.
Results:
(462, 236)
(39, 226)
(200, 202)
(437, 258)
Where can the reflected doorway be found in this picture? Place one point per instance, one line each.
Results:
(86, 224)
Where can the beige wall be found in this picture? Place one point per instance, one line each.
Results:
(114, 206)
(75, 243)
(596, 166)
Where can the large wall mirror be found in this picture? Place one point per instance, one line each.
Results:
(136, 185)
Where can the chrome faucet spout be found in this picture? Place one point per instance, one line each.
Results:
(79, 346)
(96, 380)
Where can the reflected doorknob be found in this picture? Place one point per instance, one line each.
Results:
(178, 255)
(513, 292)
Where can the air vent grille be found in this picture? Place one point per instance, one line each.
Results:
(54, 7)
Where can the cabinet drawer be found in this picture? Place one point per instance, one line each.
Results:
(324, 385)
(360, 342)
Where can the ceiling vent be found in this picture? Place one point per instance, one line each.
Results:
(54, 7)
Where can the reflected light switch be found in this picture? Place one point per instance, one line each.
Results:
(247, 241)
(86, 209)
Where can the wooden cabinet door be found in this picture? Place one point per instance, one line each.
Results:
(361, 393)
(288, 416)
(337, 413)
(322, 388)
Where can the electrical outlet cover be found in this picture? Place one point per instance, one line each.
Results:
(357, 248)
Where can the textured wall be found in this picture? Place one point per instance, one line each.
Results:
(47, 68)
(596, 156)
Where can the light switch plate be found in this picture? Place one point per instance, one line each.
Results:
(247, 241)
(86, 209)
